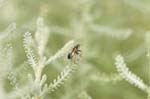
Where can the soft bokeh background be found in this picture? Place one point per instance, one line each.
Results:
(104, 28)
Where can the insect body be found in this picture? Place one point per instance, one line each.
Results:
(75, 51)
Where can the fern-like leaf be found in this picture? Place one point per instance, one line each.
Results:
(63, 51)
(41, 40)
(117, 33)
(28, 50)
(128, 75)
(64, 75)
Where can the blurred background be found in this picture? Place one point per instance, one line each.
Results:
(104, 28)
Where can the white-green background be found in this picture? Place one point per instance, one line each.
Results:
(104, 28)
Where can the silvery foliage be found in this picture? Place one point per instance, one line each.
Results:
(37, 88)
(129, 76)
(40, 39)
(6, 57)
(34, 49)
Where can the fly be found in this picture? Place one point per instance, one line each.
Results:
(75, 51)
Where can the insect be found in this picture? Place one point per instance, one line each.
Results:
(75, 51)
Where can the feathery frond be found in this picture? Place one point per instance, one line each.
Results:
(63, 51)
(13, 80)
(128, 75)
(116, 33)
(102, 77)
(6, 52)
(29, 52)
(64, 75)
(41, 40)
(61, 78)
